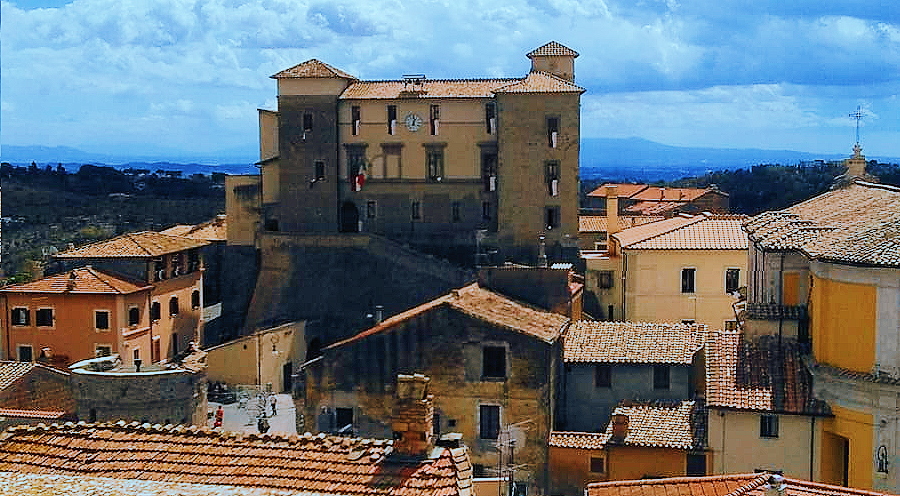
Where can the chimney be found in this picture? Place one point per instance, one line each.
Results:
(70, 284)
(413, 419)
(856, 165)
(619, 428)
(612, 210)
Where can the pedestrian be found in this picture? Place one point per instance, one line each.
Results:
(272, 402)
(220, 415)
(262, 425)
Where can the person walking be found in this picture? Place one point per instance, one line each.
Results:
(220, 416)
(273, 401)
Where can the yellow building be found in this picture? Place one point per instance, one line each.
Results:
(426, 161)
(683, 269)
(828, 271)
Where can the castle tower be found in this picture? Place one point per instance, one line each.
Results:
(555, 59)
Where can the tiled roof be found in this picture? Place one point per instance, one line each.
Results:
(720, 485)
(540, 82)
(32, 414)
(142, 244)
(551, 49)
(857, 224)
(597, 223)
(763, 374)
(484, 305)
(430, 88)
(18, 484)
(622, 190)
(652, 425)
(315, 464)
(698, 232)
(10, 372)
(86, 280)
(654, 193)
(211, 230)
(654, 207)
(589, 341)
(312, 69)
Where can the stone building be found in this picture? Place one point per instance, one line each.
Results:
(427, 161)
(32, 392)
(491, 362)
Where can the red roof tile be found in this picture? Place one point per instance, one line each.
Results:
(142, 244)
(19, 484)
(211, 230)
(720, 485)
(84, 280)
(623, 190)
(597, 223)
(540, 82)
(685, 232)
(652, 425)
(589, 341)
(654, 193)
(430, 88)
(552, 49)
(35, 414)
(312, 69)
(320, 464)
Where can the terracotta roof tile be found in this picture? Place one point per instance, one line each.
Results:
(597, 223)
(654, 207)
(47, 484)
(142, 244)
(698, 232)
(211, 230)
(83, 280)
(197, 455)
(312, 69)
(656, 425)
(720, 485)
(579, 440)
(857, 224)
(540, 82)
(10, 372)
(590, 341)
(485, 305)
(623, 190)
(654, 193)
(552, 49)
(759, 375)
(33, 414)
(430, 88)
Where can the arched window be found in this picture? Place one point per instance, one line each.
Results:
(173, 306)
(195, 299)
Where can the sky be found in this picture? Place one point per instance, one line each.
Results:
(169, 76)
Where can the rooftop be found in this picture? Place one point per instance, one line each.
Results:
(83, 280)
(144, 244)
(552, 49)
(597, 223)
(19, 484)
(534, 82)
(685, 232)
(312, 68)
(589, 341)
(484, 305)
(12, 371)
(315, 464)
(858, 224)
(211, 230)
(764, 374)
(719, 485)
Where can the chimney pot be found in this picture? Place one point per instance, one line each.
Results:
(612, 210)
(619, 428)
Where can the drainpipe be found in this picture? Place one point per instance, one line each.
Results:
(812, 445)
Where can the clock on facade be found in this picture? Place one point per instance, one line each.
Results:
(413, 122)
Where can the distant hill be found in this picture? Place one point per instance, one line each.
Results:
(241, 156)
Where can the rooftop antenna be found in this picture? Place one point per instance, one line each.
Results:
(858, 115)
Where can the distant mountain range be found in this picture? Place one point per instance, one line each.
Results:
(629, 159)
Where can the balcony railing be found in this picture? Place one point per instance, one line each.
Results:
(774, 311)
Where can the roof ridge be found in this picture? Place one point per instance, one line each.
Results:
(685, 479)
(690, 221)
(93, 272)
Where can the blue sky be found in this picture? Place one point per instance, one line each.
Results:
(166, 76)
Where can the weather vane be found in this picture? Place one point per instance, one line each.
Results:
(858, 115)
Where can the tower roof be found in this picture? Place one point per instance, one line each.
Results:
(552, 49)
(312, 68)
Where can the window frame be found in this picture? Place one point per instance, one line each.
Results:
(593, 463)
(107, 347)
(552, 217)
(602, 375)
(692, 287)
(551, 174)
(196, 300)
(737, 281)
(97, 314)
(489, 162)
(174, 306)
(319, 170)
(155, 311)
(490, 117)
(662, 374)
(434, 163)
(19, 349)
(489, 367)
(486, 211)
(307, 122)
(768, 426)
(355, 119)
(37, 317)
(26, 322)
(434, 118)
(134, 322)
(496, 421)
(553, 125)
(391, 120)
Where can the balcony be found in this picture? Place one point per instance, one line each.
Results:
(774, 311)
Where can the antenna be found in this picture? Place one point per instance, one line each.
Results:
(858, 115)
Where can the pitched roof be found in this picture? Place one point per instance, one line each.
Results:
(19, 484)
(211, 230)
(654, 207)
(32, 414)
(83, 280)
(315, 464)
(623, 190)
(763, 374)
(720, 485)
(312, 68)
(654, 193)
(552, 49)
(858, 224)
(597, 223)
(10, 372)
(430, 88)
(484, 305)
(698, 232)
(540, 82)
(589, 341)
(652, 425)
(142, 244)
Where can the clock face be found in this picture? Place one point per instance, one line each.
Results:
(413, 122)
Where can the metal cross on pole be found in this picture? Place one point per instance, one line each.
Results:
(858, 115)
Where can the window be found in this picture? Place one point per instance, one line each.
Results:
(416, 210)
(102, 350)
(25, 353)
(195, 299)
(176, 264)
(370, 209)
(552, 177)
(488, 421)
(552, 217)
(343, 419)
(307, 122)
(355, 120)
(434, 161)
(485, 210)
(435, 119)
(731, 325)
(173, 305)
(134, 316)
(101, 320)
(489, 171)
(356, 167)
(136, 354)
(193, 260)
(768, 426)
(696, 464)
(456, 215)
(602, 376)
(660, 377)
(20, 316)
(732, 280)
(552, 131)
(598, 465)
(490, 117)
(391, 119)
(687, 280)
(605, 279)
(155, 350)
(319, 166)
(155, 311)
(479, 470)
(44, 317)
(159, 269)
(688, 321)
(493, 362)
